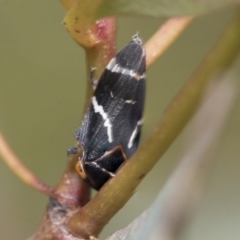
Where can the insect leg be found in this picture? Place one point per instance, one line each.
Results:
(72, 150)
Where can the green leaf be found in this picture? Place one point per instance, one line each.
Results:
(161, 8)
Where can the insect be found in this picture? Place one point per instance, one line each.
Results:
(110, 132)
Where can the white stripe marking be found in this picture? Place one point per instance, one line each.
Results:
(130, 101)
(134, 133)
(111, 64)
(103, 169)
(113, 67)
(107, 123)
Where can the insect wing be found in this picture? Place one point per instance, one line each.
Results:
(111, 128)
(115, 114)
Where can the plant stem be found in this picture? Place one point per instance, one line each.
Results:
(19, 169)
(111, 198)
(164, 37)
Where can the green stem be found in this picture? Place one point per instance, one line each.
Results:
(101, 53)
(95, 215)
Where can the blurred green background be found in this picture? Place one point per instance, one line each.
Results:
(41, 98)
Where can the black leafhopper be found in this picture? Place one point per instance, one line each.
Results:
(110, 131)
